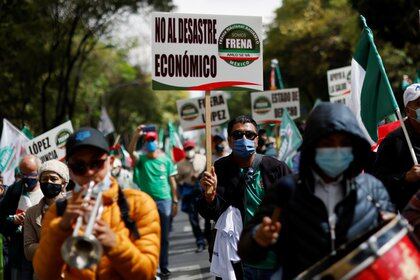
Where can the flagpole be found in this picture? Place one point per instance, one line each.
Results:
(407, 137)
(208, 134)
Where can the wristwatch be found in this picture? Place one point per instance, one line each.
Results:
(174, 202)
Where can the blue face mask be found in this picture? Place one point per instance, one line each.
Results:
(29, 183)
(334, 161)
(417, 114)
(151, 146)
(243, 148)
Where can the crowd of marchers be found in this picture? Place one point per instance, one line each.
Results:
(262, 221)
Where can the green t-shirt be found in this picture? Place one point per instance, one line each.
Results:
(152, 176)
(254, 193)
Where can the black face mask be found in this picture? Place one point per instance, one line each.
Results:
(29, 183)
(220, 148)
(261, 142)
(50, 190)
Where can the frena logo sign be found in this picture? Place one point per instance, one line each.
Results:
(262, 105)
(239, 45)
(189, 112)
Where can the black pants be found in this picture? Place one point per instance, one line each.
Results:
(237, 268)
(195, 223)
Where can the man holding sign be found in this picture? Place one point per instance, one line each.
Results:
(240, 180)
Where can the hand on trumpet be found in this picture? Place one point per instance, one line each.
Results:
(74, 209)
(105, 235)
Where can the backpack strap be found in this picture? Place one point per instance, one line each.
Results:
(124, 209)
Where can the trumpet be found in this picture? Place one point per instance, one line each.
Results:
(83, 251)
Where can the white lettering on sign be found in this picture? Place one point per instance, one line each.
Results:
(268, 106)
(192, 111)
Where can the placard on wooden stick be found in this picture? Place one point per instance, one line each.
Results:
(206, 52)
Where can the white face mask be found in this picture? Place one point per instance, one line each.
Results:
(104, 185)
(190, 154)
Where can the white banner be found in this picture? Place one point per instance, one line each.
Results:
(339, 84)
(206, 52)
(268, 106)
(192, 114)
(51, 144)
(11, 151)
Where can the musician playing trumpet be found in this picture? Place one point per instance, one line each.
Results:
(124, 242)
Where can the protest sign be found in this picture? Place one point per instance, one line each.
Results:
(339, 84)
(51, 144)
(191, 111)
(268, 106)
(206, 52)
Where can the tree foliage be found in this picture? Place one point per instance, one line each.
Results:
(310, 37)
(46, 48)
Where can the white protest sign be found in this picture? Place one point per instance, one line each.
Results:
(51, 144)
(206, 52)
(191, 111)
(339, 84)
(268, 106)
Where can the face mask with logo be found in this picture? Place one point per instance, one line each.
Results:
(29, 183)
(417, 118)
(151, 146)
(51, 190)
(334, 161)
(243, 148)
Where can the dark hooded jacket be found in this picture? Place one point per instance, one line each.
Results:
(394, 161)
(306, 236)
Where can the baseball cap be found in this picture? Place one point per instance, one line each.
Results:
(411, 93)
(151, 135)
(189, 144)
(86, 137)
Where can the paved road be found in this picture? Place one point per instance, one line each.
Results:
(184, 262)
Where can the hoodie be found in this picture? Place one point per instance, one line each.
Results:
(306, 234)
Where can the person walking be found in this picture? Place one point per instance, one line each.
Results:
(156, 176)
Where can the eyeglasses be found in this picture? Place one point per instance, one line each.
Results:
(237, 134)
(80, 167)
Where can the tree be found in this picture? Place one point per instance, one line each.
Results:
(308, 38)
(45, 46)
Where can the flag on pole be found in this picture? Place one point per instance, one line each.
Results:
(290, 139)
(275, 75)
(372, 99)
(173, 147)
(105, 124)
(27, 132)
(12, 149)
(417, 79)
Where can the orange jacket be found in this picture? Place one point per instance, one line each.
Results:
(130, 259)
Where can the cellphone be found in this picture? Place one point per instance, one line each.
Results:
(149, 128)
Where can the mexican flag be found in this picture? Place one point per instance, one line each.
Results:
(173, 145)
(290, 139)
(372, 99)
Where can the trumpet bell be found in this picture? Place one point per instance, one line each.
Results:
(81, 252)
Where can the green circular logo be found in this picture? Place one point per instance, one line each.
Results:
(239, 45)
(189, 112)
(62, 137)
(262, 105)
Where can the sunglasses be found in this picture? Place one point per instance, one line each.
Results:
(80, 167)
(237, 134)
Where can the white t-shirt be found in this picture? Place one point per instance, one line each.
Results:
(229, 229)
